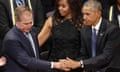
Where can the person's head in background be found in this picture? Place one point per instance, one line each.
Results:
(67, 9)
(23, 18)
(118, 2)
(91, 12)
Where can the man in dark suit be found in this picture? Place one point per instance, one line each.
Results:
(98, 38)
(7, 14)
(21, 46)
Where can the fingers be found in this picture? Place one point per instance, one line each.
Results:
(72, 64)
(68, 64)
(61, 66)
(2, 61)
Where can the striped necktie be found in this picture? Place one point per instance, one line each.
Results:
(29, 36)
(20, 2)
(93, 42)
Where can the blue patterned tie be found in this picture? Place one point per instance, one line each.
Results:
(20, 2)
(93, 42)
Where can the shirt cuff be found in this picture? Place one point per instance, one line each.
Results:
(82, 64)
(51, 65)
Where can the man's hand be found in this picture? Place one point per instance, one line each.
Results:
(2, 61)
(60, 66)
(71, 64)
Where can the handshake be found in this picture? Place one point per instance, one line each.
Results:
(66, 64)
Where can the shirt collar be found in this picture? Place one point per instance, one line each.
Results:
(98, 24)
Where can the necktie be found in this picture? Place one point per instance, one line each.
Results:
(93, 42)
(28, 35)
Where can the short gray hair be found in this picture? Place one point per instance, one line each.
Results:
(20, 10)
(93, 4)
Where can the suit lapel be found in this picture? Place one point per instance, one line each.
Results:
(101, 33)
(35, 42)
(25, 42)
(88, 34)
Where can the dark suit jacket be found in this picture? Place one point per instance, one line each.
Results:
(107, 39)
(114, 65)
(20, 55)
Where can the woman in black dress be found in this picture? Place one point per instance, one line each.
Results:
(64, 29)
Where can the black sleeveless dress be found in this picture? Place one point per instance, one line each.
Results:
(65, 42)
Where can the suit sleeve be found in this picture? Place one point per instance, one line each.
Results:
(83, 51)
(17, 53)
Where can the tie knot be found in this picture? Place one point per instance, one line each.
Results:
(94, 29)
(27, 33)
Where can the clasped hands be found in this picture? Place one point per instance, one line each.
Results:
(67, 64)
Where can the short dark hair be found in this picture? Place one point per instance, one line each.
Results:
(20, 10)
(93, 4)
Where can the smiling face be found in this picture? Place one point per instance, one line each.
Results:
(64, 8)
(25, 22)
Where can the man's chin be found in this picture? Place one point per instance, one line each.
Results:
(86, 24)
(26, 31)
